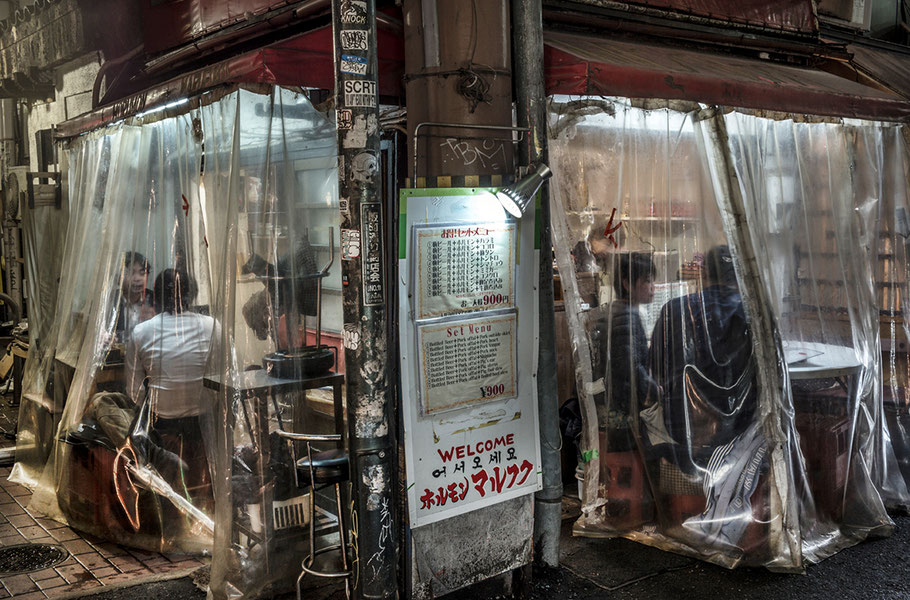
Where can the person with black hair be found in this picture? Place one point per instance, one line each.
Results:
(135, 299)
(171, 349)
(701, 354)
(625, 349)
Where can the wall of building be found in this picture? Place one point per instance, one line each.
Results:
(73, 83)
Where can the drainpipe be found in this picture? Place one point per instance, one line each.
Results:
(371, 442)
(531, 108)
(8, 152)
(9, 156)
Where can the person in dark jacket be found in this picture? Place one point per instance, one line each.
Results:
(701, 355)
(625, 350)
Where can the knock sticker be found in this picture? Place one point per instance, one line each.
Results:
(354, 12)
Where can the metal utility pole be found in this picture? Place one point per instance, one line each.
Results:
(371, 443)
(531, 109)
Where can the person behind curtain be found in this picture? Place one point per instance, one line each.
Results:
(626, 348)
(172, 349)
(701, 355)
(136, 303)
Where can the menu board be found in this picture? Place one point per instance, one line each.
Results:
(468, 323)
(467, 361)
(463, 268)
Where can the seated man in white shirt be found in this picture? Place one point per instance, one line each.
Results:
(172, 349)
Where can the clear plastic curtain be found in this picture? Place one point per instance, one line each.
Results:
(892, 280)
(666, 381)
(814, 195)
(200, 250)
(128, 461)
(270, 183)
(713, 423)
(200, 295)
(44, 233)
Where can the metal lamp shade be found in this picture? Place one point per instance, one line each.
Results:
(516, 198)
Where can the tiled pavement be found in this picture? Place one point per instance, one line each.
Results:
(93, 564)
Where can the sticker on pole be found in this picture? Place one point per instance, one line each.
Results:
(355, 65)
(350, 244)
(360, 94)
(353, 12)
(373, 275)
(354, 39)
(344, 118)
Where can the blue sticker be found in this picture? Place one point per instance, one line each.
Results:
(356, 65)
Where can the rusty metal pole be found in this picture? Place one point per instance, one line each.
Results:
(531, 110)
(372, 449)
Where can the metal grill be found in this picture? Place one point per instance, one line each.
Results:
(25, 558)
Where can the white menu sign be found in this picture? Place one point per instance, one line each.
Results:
(464, 267)
(467, 361)
(468, 324)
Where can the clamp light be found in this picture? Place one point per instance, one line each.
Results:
(516, 198)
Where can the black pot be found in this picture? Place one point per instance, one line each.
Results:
(298, 364)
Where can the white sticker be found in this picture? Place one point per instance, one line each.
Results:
(343, 205)
(351, 336)
(355, 65)
(360, 93)
(364, 167)
(350, 244)
(353, 12)
(356, 136)
(344, 118)
(354, 39)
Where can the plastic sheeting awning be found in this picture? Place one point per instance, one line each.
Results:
(586, 65)
(891, 69)
(305, 60)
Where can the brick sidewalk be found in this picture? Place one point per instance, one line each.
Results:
(92, 563)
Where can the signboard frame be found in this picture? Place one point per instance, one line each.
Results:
(468, 457)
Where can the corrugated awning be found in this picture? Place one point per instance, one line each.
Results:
(891, 69)
(594, 66)
(305, 60)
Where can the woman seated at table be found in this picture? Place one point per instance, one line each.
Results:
(171, 349)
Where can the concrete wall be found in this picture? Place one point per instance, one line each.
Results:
(73, 96)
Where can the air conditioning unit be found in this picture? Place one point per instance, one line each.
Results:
(852, 13)
(13, 191)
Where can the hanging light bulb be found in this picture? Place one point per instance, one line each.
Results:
(516, 198)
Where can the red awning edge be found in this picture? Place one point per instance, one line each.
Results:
(592, 66)
(305, 60)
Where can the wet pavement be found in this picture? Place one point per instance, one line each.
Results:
(92, 564)
(590, 569)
